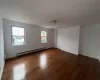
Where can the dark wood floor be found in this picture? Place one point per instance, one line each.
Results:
(52, 64)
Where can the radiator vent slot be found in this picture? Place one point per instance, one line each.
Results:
(19, 54)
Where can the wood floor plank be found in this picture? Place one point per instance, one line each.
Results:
(51, 64)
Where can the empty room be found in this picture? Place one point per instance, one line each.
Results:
(49, 39)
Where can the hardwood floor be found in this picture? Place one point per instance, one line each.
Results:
(52, 64)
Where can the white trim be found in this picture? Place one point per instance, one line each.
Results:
(1, 70)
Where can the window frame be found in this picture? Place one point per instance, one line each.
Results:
(24, 36)
(46, 37)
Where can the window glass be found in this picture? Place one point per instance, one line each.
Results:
(43, 37)
(18, 36)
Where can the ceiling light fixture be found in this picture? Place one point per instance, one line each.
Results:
(53, 21)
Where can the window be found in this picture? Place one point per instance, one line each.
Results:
(18, 36)
(43, 37)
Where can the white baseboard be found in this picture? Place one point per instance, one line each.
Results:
(2, 70)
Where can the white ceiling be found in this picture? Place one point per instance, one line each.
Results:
(41, 12)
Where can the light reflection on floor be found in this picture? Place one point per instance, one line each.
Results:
(19, 72)
(43, 61)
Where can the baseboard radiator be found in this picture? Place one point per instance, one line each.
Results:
(30, 51)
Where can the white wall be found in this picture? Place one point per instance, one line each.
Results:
(1, 48)
(33, 38)
(55, 38)
(90, 41)
(68, 39)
